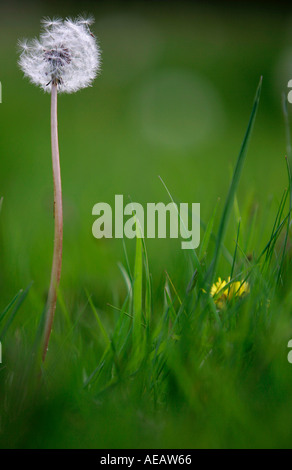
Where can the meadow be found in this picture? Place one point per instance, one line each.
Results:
(191, 105)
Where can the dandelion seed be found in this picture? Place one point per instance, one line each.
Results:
(48, 22)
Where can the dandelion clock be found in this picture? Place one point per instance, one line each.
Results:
(65, 59)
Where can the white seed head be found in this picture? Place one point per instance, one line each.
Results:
(66, 54)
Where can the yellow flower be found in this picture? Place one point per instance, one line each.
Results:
(221, 291)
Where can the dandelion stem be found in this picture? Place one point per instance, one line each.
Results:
(58, 215)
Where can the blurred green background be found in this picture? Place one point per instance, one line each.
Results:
(173, 99)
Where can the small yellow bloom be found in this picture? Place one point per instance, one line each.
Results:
(222, 291)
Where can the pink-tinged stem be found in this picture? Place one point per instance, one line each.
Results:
(58, 214)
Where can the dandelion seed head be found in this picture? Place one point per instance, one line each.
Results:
(65, 54)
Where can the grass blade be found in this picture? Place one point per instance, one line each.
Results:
(288, 160)
(99, 322)
(193, 251)
(138, 289)
(6, 310)
(233, 186)
(15, 310)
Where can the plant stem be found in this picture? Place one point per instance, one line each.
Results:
(58, 215)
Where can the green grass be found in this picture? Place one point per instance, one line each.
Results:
(141, 356)
(165, 372)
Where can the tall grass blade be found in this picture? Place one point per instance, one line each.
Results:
(193, 252)
(98, 320)
(208, 232)
(15, 310)
(235, 251)
(233, 186)
(288, 161)
(6, 310)
(138, 290)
